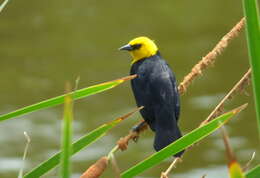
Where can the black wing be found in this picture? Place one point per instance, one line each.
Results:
(164, 89)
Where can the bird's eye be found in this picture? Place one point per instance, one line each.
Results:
(136, 46)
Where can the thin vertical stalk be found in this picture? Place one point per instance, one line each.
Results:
(253, 41)
(66, 136)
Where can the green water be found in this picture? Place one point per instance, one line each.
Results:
(46, 43)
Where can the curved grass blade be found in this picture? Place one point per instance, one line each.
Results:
(60, 99)
(81, 143)
(251, 12)
(254, 173)
(180, 144)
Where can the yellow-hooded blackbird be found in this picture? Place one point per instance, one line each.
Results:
(155, 88)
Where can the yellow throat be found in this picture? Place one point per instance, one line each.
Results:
(142, 47)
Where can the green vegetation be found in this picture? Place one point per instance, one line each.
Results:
(68, 148)
(253, 37)
(78, 94)
(182, 143)
(66, 137)
(81, 143)
(253, 173)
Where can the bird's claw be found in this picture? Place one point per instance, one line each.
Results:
(135, 128)
(135, 138)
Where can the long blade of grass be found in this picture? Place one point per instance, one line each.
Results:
(253, 42)
(254, 173)
(180, 144)
(66, 135)
(81, 143)
(60, 99)
(3, 5)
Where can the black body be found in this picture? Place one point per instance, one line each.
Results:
(155, 88)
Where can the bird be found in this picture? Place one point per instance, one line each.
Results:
(155, 88)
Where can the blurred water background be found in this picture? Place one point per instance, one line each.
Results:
(46, 43)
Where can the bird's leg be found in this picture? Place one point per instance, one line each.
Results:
(139, 128)
(133, 135)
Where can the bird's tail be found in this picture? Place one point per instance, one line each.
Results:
(164, 137)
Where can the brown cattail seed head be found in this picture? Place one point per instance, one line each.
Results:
(96, 170)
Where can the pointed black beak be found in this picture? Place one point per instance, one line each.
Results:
(127, 47)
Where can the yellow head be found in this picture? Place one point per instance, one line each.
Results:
(140, 48)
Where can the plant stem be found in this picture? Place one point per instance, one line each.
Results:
(253, 42)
